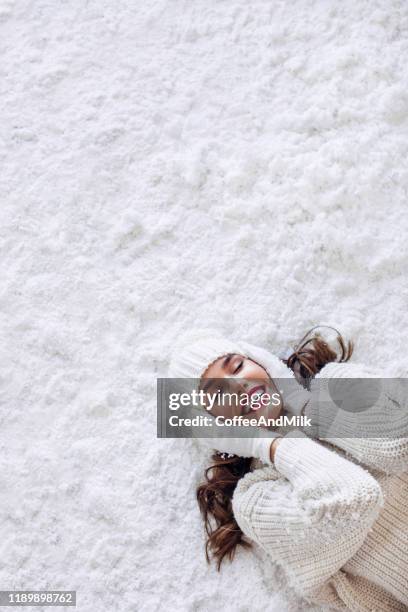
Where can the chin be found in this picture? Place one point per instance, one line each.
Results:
(274, 412)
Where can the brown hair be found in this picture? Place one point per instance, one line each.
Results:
(214, 495)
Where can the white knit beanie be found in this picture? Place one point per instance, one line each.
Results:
(197, 350)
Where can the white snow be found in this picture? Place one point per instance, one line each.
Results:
(166, 164)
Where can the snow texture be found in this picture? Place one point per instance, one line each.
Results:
(164, 165)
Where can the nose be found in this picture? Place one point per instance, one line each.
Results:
(238, 385)
(243, 384)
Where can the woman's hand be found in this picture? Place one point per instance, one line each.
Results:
(272, 449)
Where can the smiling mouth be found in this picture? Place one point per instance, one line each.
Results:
(253, 393)
(257, 390)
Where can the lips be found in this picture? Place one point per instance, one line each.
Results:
(252, 393)
(257, 390)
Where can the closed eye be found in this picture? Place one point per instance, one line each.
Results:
(238, 367)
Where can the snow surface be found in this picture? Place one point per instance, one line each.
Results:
(169, 164)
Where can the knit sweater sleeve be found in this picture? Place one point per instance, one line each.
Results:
(311, 512)
(377, 435)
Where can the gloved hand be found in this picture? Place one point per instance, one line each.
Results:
(257, 446)
(294, 396)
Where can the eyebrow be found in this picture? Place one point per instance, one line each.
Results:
(227, 360)
(224, 365)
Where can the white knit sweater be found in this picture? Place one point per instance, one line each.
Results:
(338, 530)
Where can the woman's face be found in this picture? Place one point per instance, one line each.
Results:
(235, 373)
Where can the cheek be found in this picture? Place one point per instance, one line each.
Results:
(252, 371)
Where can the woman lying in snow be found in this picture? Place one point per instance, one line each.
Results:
(331, 511)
